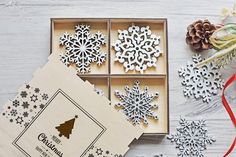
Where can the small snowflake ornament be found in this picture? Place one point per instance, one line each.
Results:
(137, 48)
(201, 82)
(136, 104)
(191, 138)
(83, 48)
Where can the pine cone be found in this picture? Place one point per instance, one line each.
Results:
(198, 35)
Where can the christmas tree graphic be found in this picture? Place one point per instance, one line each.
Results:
(65, 128)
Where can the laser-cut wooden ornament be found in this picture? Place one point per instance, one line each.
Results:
(137, 48)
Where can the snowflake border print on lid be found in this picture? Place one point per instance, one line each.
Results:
(137, 48)
(82, 48)
(191, 138)
(136, 104)
(201, 82)
(27, 104)
(99, 152)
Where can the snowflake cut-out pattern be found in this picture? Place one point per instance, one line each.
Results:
(26, 105)
(137, 48)
(136, 104)
(200, 82)
(191, 138)
(82, 48)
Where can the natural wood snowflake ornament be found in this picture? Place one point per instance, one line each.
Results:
(137, 48)
(136, 104)
(82, 48)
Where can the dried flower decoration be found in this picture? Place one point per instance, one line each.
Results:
(224, 41)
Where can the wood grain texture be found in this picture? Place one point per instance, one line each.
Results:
(24, 46)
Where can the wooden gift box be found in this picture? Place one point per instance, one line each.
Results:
(111, 76)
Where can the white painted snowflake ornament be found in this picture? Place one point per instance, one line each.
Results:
(136, 104)
(82, 48)
(191, 138)
(201, 82)
(137, 48)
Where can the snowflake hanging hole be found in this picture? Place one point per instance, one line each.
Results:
(200, 82)
(155, 106)
(137, 104)
(137, 48)
(83, 48)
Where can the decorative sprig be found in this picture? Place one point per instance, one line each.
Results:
(224, 41)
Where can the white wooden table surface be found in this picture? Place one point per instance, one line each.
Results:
(24, 46)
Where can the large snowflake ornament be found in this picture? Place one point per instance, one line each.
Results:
(201, 82)
(82, 48)
(137, 48)
(136, 104)
(191, 138)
